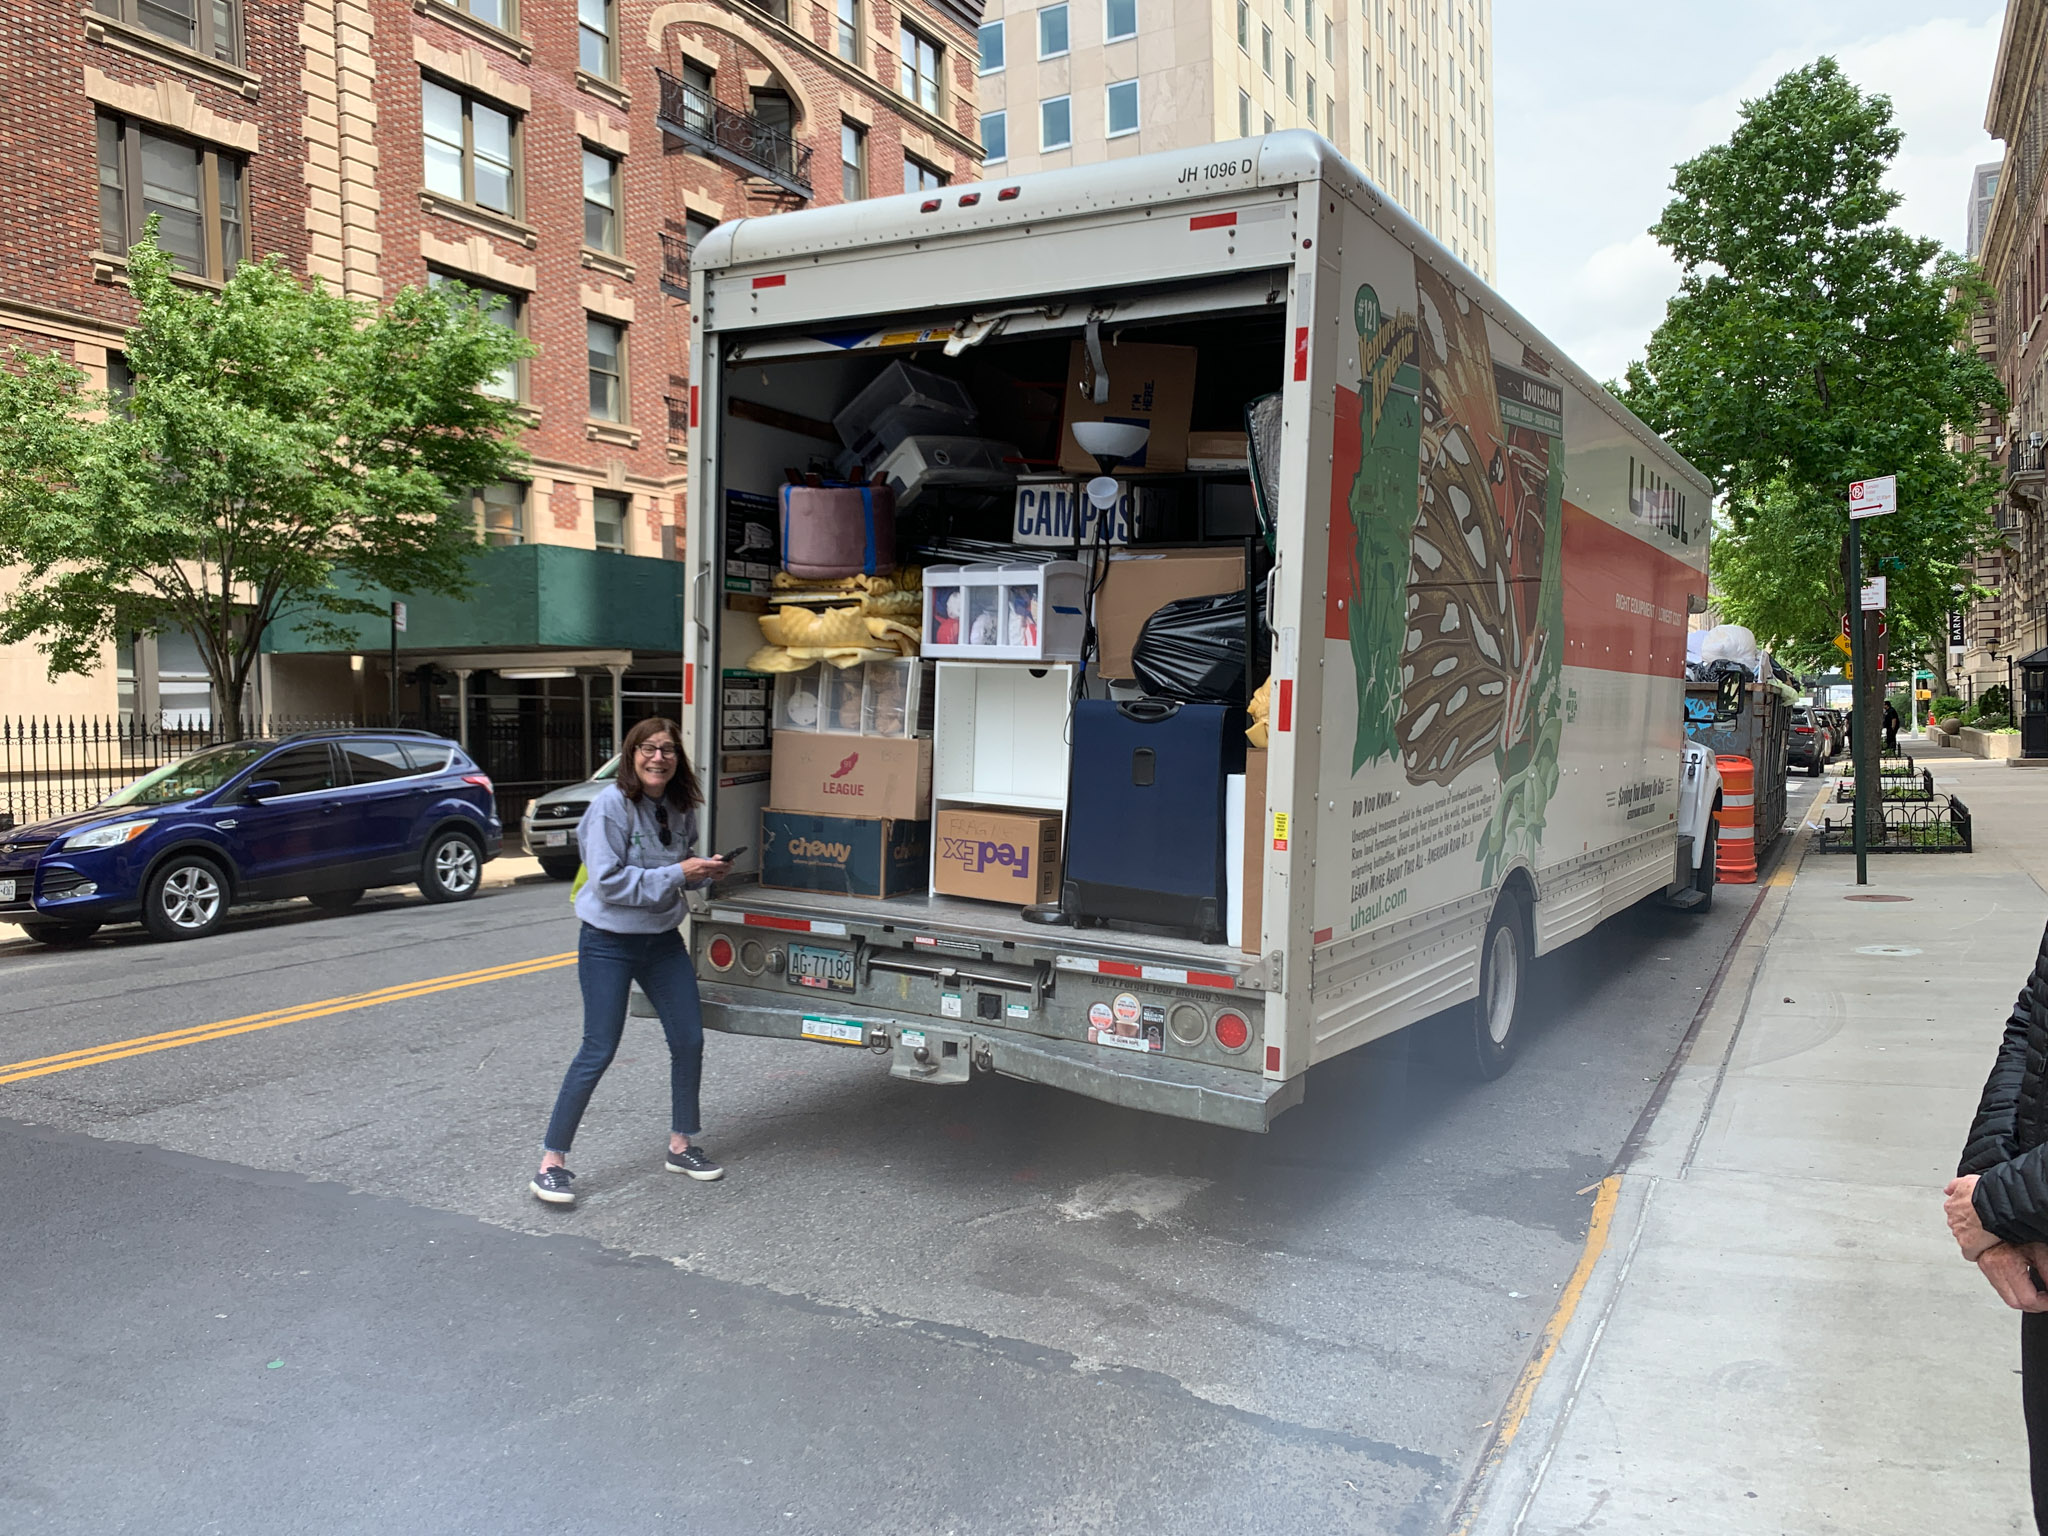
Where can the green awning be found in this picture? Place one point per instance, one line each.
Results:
(527, 597)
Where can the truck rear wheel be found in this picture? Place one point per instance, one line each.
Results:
(1488, 1036)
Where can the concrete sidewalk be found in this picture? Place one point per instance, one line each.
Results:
(1775, 1332)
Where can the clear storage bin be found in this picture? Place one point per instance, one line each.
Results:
(1022, 612)
(874, 698)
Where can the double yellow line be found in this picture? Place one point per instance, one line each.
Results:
(170, 1040)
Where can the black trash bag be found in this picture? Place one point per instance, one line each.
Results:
(1193, 649)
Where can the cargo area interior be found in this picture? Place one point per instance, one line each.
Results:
(951, 692)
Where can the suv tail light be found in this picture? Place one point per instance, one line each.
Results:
(480, 780)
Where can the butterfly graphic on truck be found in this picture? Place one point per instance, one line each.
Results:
(1446, 572)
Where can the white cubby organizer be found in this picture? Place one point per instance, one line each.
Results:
(999, 734)
(1029, 611)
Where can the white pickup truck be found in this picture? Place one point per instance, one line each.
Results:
(1483, 567)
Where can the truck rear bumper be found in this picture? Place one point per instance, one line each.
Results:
(1238, 1101)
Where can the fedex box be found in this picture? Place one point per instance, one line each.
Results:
(843, 855)
(852, 775)
(1007, 856)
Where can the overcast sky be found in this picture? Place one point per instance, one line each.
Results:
(1596, 100)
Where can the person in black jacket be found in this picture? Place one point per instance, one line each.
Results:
(1997, 1204)
(1891, 729)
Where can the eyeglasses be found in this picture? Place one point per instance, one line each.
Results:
(645, 750)
(661, 822)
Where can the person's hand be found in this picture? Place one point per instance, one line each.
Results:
(2009, 1268)
(704, 869)
(1961, 1211)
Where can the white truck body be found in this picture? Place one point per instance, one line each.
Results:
(1484, 569)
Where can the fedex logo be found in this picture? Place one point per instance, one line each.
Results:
(974, 857)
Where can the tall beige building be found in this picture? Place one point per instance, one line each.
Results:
(1402, 87)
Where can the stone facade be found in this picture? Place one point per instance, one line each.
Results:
(323, 105)
(1403, 87)
(2015, 263)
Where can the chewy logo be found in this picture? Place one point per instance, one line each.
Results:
(811, 848)
(975, 856)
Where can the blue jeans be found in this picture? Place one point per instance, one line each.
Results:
(607, 964)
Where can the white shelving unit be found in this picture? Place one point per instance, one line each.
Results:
(999, 734)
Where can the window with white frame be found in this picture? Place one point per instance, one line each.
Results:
(601, 224)
(1052, 32)
(1121, 108)
(501, 306)
(1056, 123)
(919, 61)
(853, 161)
(991, 45)
(1120, 20)
(995, 136)
(846, 30)
(608, 513)
(596, 50)
(471, 149)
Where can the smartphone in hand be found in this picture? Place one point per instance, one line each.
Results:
(727, 858)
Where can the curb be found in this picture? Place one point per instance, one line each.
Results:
(1512, 1466)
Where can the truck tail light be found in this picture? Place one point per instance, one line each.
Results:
(720, 953)
(968, 200)
(930, 205)
(1187, 1024)
(1232, 1032)
(753, 957)
(1008, 194)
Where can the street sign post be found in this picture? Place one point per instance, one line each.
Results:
(1876, 496)
(397, 629)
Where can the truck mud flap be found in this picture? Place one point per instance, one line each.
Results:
(1238, 1101)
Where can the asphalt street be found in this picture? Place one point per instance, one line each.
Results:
(284, 1274)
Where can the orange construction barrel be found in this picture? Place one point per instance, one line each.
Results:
(1735, 863)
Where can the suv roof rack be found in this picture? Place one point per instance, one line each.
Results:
(356, 730)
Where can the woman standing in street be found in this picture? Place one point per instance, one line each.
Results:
(1997, 1203)
(636, 840)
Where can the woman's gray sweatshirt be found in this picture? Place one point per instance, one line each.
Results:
(635, 885)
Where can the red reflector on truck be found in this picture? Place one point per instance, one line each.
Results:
(693, 405)
(1272, 1058)
(1300, 353)
(1283, 707)
(689, 682)
(787, 924)
(1232, 1033)
(771, 282)
(1213, 220)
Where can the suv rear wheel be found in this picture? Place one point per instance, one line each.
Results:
(187, 898)
(452, 867)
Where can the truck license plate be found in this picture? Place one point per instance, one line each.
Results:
(828, 970)
(6, 890)
(835, 1031)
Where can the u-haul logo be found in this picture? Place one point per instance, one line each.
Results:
(974, 857)
(812, 848)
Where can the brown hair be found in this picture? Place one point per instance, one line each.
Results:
(682, 793)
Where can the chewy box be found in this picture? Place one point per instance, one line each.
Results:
(843, 855)
(1008, 856)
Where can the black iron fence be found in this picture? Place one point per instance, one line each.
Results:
(1891, 788)
(55, 765)
(1939, 825)
(52, 765)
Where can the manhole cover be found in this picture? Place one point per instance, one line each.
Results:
(1877, 898)
(1893, 950)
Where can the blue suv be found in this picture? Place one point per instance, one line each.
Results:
(325, 815)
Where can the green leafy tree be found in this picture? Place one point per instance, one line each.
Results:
(282, 445)
(1812, 343)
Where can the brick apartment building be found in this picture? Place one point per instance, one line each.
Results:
(561, 154)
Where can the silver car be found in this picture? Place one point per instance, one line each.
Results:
(548, 828)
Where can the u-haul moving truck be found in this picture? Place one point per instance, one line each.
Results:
(1478, 615)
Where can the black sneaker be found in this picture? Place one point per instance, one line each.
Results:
(552, 1185)
(694, 1161)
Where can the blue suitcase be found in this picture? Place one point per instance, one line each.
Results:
(1145, 814)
